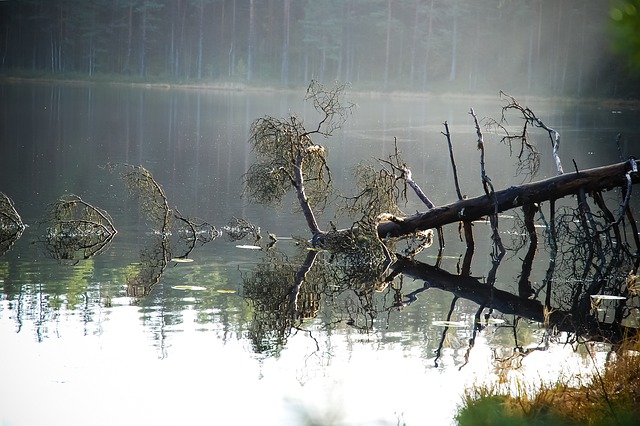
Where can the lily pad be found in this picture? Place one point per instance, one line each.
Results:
(188, 287)
(453, 324)
(607, 297)
(494, 321)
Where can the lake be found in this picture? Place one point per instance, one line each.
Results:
(201, 344)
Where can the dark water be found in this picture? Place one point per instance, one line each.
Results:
(78, 349)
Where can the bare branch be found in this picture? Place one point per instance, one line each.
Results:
(447, 134)
(329, 102)
(488, 187)
(141, 184)
(531, 119)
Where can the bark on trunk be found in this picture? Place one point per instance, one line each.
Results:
(596, 179)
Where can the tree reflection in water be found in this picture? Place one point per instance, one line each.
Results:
(285, 296)
(352, 277)
(592, 251)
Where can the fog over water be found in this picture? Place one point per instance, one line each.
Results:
(544, 47)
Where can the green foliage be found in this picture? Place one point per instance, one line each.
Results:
(625, 29)
(490, 410)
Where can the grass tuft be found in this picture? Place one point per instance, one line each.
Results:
(610, 397)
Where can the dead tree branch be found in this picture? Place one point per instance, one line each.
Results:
(466, 225)
(287, 158)
(488, 188)
(531, 119)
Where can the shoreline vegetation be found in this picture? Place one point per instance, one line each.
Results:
(236, 86)
(611, 396)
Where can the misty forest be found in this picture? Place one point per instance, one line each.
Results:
(431, 194)
(542, 47)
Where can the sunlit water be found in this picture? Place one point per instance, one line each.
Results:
(77, 350)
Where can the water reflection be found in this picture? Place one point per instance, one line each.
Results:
(285, 296)
(282, 322)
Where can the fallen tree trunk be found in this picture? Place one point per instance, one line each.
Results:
(596, 179)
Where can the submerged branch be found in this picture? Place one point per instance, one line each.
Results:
(77, 229)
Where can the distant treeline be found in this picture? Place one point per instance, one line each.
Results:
(520, 46)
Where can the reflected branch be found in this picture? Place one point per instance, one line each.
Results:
(445, 329)
(238, 229)
(486, 295)
(154, 259)
(268, 288)
(524, 284)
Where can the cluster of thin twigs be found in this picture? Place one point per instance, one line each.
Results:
(373, 188)
(288, 158)
(76, 229)
(175, 235)
(11, 224)
(141, 185)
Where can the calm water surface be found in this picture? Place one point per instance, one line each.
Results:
(76, 349)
